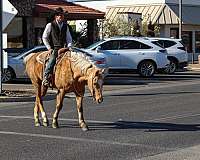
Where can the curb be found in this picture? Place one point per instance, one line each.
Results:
(49, 96)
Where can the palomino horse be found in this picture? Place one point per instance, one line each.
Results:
(72, 73)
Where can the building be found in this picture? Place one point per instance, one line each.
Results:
(26, 29)
(165, 13)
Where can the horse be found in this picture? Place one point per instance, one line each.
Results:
(72, 73)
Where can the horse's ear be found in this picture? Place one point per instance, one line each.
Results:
(104, 72)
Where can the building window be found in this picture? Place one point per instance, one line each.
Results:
(38, 36)
(197, 42)
(174, 32)
(15, 33)
(187, 40)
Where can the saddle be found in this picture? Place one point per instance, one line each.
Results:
(43, 58)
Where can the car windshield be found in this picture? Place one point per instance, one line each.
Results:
(94, 44)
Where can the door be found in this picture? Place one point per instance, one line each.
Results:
(111, 51)
(132, 52)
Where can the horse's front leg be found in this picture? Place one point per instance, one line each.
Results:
(59, 104)
(79, 101)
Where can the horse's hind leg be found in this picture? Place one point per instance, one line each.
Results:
(59, 104)
(36, 114)
(39, 106)
(79, 101)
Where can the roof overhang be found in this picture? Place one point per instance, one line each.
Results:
(44, 8)
(160, 13)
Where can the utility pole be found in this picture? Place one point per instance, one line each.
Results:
(1, 44)
(180, 19)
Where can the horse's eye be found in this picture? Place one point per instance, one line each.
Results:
(95, 81)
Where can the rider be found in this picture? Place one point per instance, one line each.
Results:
(55, 36)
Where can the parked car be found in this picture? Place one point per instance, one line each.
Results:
(128, 54)
(176, 53)
(16, 66)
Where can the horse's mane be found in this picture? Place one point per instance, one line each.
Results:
(81, 61)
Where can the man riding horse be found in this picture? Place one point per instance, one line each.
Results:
(55, 36)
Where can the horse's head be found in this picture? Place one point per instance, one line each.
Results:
(95, 83)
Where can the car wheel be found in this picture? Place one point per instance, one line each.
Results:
(7, 75)
(171, 68)
(146, 68)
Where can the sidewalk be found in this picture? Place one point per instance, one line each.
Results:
(193, 67)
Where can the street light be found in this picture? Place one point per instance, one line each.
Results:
(180, 19)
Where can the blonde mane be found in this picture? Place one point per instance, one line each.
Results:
(81, 61)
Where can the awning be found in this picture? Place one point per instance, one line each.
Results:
(76, 12)
(159, 13)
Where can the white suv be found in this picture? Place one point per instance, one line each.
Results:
(176, 51)
(128, 54)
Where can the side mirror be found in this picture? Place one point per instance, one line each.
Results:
(98, 49)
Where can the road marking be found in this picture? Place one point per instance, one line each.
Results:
(68, 138)
(85, 140)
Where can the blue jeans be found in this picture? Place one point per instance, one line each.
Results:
(51, 63)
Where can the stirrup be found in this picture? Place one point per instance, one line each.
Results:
(45, 82)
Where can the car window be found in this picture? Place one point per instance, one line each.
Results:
(168, 44)
(94, 44)
(40, 50)
(110, 45)
(131, 44)
(164, 43)
(158, 43)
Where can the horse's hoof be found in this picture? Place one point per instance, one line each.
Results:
(55, 125)
(85, 128)
(46, 124)
(37, 124)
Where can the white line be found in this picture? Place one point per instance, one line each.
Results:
(83, 140)
(68, 138)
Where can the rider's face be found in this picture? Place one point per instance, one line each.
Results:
(59, 18)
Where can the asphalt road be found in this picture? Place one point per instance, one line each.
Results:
(157, 119)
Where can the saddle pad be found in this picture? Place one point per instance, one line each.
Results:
(41, 58)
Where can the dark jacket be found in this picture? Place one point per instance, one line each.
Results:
(57, 36)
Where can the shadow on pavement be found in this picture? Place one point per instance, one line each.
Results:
(147, 126)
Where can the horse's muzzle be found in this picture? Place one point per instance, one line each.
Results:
(100, 100)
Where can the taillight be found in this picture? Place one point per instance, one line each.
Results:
(182, 48)
(101, 61)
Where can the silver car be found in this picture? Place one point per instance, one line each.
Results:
(16, 67)
(128, 54)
